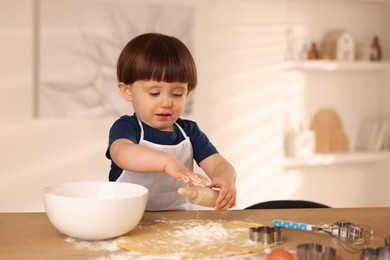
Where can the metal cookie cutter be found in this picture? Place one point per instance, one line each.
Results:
(266, 235)
(387, 241)
(380, 253)
(313, 251)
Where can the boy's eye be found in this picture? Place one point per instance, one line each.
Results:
(177, 94)
(154, 94)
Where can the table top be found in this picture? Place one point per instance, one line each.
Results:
(31, 235)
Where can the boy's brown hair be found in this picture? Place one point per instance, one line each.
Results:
(154, 56)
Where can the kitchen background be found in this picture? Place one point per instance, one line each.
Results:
(252, 92)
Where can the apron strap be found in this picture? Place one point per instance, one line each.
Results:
(178, 126)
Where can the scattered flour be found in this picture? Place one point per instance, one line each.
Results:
(95, 245)
(107, 245)
(198, 234)
(203, 234)
(128, 256)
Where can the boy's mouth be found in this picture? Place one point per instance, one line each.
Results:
(163, 116)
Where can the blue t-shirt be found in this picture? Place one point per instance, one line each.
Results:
(127, 127)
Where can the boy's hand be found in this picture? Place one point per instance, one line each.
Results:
(123, 150)
(227, 194)
(197, 179)
(180, 172)
(223, 176)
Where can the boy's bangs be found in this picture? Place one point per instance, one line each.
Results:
(173, 71)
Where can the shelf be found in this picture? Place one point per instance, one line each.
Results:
(322, 65)
(370, 1)
(335, 159)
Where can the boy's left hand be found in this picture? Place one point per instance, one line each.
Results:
(227, 194)
(223, 177)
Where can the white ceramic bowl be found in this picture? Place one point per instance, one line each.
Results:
(95, 210)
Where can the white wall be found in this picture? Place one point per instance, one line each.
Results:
(240, 103)
(16, 65)
(355, 95)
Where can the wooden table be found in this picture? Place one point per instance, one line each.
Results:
(31, 236)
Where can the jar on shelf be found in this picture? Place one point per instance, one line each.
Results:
(375, 50)
(313, 53)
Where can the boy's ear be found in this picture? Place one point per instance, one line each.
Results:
(125, 91)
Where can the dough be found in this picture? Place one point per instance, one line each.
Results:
(191, 239)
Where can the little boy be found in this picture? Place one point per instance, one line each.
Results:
(155, 147)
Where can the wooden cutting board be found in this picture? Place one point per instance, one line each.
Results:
(328, 128)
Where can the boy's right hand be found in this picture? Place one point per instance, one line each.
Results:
(197, 179)
(123, 149)
(178, 171)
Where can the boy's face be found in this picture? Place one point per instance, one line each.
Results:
(157, 104)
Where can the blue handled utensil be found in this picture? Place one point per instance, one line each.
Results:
(294, 225)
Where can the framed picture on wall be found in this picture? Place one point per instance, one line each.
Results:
(78, 44)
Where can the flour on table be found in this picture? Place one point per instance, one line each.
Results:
(204, 234)
(189, 239)
(95, 245)
(185, 239)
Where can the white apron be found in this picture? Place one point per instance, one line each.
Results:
(162, 187)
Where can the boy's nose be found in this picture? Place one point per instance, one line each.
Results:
(166, 101)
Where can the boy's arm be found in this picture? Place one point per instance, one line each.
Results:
(137, 158)
(223, 176)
